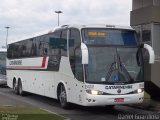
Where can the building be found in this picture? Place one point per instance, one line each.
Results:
(145, 18)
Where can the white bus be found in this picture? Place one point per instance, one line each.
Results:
(88, 65)
(3, 55)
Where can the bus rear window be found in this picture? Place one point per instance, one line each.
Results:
(99, 36)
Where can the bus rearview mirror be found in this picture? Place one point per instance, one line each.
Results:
(151, 53)
(84, 53)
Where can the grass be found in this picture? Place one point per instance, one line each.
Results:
(151, 106)
(26, 113)
(146, 95)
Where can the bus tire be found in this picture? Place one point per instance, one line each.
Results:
(20, 88)
(15, 89)
(63, 97)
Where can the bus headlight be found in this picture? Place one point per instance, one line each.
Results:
(140, 90)
(94, 92)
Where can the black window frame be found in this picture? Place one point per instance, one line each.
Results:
(73, 47)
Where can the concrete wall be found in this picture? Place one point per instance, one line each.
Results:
(136, 4)
(156, 2)
(147, 12)
(145, 15)
(156, 73)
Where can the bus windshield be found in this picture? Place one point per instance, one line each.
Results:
(113, 56)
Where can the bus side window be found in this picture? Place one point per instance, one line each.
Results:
(56, 39)
(45, 48)
(63, 43)
(58, 42)
(54, 51)
(10, 52)
(75, 54)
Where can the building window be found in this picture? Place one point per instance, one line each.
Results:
(146, 32)
(138, 31)
(144, 35)
(156, 38)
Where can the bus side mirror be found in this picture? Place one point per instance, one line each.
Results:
(84, 53)
(150, 51)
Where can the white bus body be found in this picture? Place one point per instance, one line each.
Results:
(71, 70)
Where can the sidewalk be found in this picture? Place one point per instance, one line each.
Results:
(148, 104)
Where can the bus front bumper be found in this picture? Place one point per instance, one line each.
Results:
(102, 100)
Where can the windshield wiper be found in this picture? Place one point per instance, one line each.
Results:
(118, 70)
(112, 68)
(125, 70)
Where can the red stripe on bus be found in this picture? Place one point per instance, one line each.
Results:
(44, 62)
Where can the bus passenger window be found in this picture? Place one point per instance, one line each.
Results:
(63, 43)
(75, 56)
(78, 64)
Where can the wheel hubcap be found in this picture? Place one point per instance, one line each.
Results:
(20, 88)
(62, 96)
(14, 87)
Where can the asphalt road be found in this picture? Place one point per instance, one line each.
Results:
(119, 112)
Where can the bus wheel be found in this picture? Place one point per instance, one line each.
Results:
(20, 88)
(15, 89)
(63, 97)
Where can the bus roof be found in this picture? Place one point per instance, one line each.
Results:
(96, 26)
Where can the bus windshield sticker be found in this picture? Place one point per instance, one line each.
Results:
(92, 33)
(96, 34)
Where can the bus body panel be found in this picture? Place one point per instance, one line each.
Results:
(45, 83)
(102, 100)
(113, 89)
(73, 86)
(34, 81)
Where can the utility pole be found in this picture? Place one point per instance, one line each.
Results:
(58, 12)
(7, 36)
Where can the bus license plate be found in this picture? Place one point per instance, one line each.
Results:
(119, 100)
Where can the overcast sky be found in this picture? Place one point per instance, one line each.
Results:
(26, 17)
